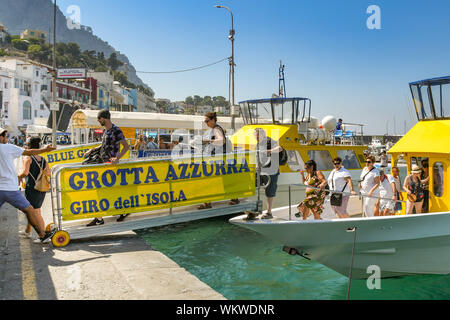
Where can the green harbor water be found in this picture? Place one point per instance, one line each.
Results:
(242, 264)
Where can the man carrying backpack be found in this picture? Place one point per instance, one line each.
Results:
(269, 153)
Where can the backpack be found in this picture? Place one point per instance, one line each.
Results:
(95, 157)
(42, 182)
(283, 156)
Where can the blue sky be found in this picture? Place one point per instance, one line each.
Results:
(330, 55)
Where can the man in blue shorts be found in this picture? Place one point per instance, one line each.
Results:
(268, 151)
(9, 184)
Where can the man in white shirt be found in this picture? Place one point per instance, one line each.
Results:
(9, 183)
(387, 187)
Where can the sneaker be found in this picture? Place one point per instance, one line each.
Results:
(95, 222)
(24, 234)
(122, 217)
(47, 237)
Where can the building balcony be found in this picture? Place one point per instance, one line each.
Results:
(25, 93)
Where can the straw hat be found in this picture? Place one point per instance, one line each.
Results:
(415, 169)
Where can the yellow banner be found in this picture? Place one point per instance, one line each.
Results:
(68, 155)
(105, 190)
(72, 155)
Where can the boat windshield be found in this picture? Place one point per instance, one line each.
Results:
(276, 110)
(431, 98)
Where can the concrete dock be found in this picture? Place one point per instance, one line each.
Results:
(120, 266)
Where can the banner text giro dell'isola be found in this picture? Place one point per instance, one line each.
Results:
(105, 190)
(71, 154)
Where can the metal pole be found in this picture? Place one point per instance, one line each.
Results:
(231, 37)
(232, 32)
(290, 203)
(54, 77)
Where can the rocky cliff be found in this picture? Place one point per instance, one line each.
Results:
(18, 15)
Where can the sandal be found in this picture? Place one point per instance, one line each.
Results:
(204, 206)
(267, 215)
(233, 202)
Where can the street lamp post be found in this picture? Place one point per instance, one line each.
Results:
(232, 65)
(54, 77)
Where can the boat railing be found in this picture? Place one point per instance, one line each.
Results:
(362, 197)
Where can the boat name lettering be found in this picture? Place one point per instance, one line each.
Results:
(134, 201)
(138, 175)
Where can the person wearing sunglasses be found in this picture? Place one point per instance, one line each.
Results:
(315, 196)
(216, 143)
(109, 151)
(415, 190)
(340, 180)
(368, 186)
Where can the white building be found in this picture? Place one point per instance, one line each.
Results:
(5, 86)
(105, 82)
(3, 33)
(202, 110)
(145, 103)
(28, 83)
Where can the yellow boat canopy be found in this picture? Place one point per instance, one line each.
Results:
(425, 137)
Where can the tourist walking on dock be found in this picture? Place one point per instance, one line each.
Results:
(215, 143)
(314, 198)
(414, 188)
(109, 151)
(9, 188)
(32, 167)
(268, 151)
(368, 186)
(340, 180)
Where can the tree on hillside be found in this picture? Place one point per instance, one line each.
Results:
(73, 49)
(113, 62)
(207, 101)
(34, 51)
(61, 48)
(162, 106)
(220, 101)
(197, 101)
(20, 44)
(189, 100)
(123, 79)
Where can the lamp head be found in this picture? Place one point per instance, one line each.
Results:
(217, 6)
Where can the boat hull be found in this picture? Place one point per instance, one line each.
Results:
(397, 245)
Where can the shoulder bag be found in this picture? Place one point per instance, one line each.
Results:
(336, 198)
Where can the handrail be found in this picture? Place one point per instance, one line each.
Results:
(345, 193)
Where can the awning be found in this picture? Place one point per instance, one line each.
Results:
(36, 129)
(147, 120)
